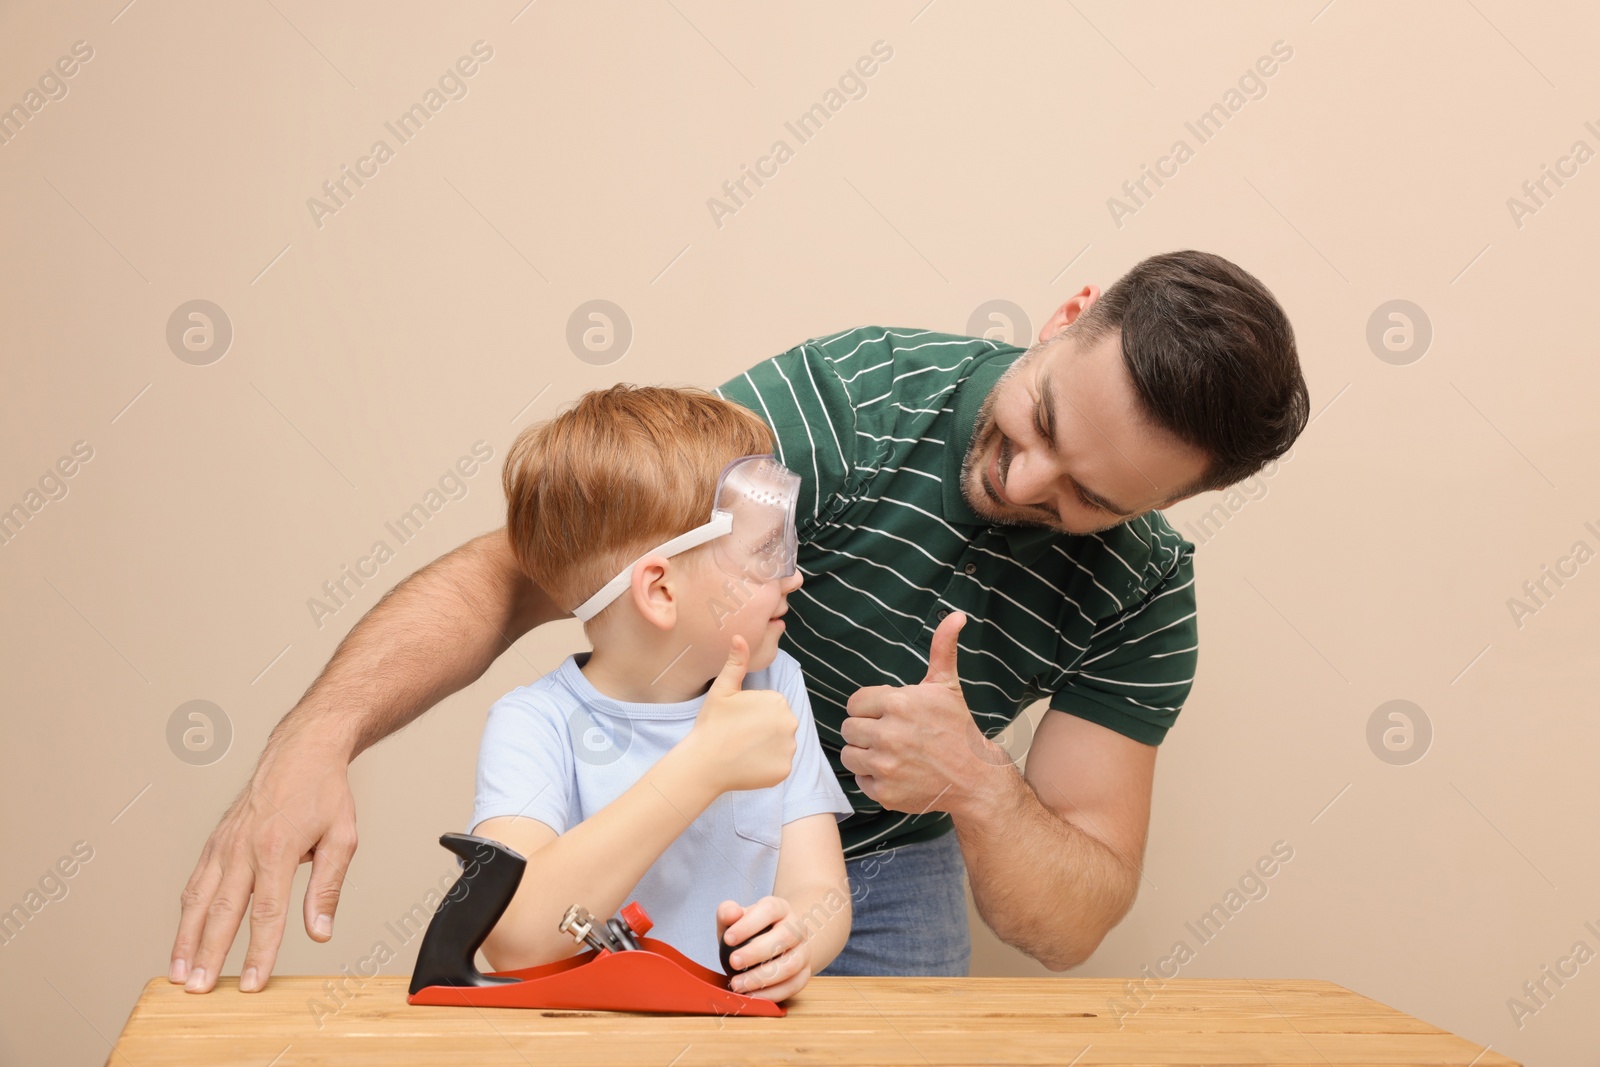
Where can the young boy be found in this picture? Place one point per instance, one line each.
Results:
(677, 764)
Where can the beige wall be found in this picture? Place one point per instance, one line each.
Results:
(430, 313)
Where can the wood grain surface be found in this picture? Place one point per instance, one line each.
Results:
(880, 1021)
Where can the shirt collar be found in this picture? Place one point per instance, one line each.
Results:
(1027, 543)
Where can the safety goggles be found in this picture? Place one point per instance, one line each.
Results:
(751, 525)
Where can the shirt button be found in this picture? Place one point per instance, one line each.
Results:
(942, 614)
(971, 568)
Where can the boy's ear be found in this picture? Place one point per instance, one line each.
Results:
(653, 592)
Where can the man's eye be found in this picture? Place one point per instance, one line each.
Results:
(1038, 418)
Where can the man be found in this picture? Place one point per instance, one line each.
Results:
(959, 496)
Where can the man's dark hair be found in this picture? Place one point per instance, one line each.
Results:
(1212, 356)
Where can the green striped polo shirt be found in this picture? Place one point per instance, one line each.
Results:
(875, 421)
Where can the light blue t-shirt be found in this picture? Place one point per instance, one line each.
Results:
(559, 751)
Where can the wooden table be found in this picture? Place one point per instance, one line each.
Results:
(879, 1021)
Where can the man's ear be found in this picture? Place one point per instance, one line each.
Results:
(1068, 313)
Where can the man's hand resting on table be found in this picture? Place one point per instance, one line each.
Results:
(297, 807)
(430, 636)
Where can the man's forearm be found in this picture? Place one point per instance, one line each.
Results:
(1043, 884)
(430, 636)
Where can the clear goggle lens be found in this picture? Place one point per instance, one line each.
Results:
(760, 494)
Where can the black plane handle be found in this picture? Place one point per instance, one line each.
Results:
(726, 951)
(467, 913)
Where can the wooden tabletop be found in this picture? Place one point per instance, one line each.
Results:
(879, 1021)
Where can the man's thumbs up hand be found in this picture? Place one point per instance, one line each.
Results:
(916, 748)
(942, 655)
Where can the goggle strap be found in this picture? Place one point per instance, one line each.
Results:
(721, 523)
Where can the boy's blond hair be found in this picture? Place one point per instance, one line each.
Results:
(621, 471)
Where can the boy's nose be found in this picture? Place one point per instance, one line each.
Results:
(792, 582)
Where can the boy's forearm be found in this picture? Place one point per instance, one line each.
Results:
(822, 913)
(599, 862)
(430, 636)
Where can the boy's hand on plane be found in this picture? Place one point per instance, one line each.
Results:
(745, 736)
(778, 961)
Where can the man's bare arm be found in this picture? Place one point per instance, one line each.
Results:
(432, 635)
(1054, 858)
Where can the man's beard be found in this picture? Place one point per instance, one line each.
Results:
(984, 432)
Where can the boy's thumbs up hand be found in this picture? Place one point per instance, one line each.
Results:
(917, 748)
(731, 679)
(744, 738)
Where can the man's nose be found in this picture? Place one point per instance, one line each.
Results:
(1029, 482)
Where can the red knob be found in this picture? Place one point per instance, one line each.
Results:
(637, 920)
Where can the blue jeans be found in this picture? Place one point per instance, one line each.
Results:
(909, 912)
